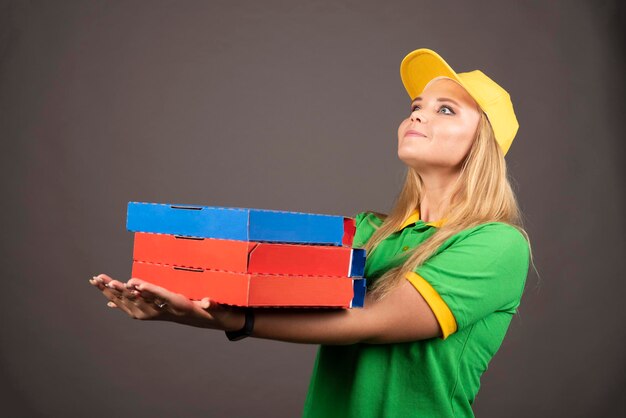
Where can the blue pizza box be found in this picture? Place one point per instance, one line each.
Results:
(242, 224)
(360, 288)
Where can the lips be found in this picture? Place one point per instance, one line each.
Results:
(412, 132)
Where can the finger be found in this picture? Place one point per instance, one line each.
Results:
(159, 295)
(96, 283)
(160, 299)
(103, 278)
(112, 294)
(205, 306)
(142, 304)
(134, 282)
(120, 297)
(109, 293)
(137, 296)
(112, 289)
(161, 304)
(119, 290)
(143, 297)
(142, 308)
(130, 298)
(116, 285)
(117, 293)
(147, 296)
(155, 300)
(205, 303)
(154, 289)
(117, 302)
(129, 295)
(134, 307)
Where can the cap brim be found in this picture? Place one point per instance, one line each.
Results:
(421, 66)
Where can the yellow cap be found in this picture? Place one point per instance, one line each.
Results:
(422, 65)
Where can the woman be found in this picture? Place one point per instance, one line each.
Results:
(447, 266)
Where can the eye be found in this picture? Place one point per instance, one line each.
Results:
(451, 112)
(448, 108)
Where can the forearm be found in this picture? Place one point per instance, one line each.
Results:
(297, 325)
(402, 316)
(312, 326)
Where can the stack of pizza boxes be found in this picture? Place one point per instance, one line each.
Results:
(248, 257)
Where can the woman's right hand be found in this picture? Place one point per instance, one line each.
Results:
(146, 301)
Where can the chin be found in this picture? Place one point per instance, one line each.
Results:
(407, 160)
(408, 156)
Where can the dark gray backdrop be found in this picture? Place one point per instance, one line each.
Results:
(293, 106)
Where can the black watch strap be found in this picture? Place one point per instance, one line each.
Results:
(244, 332)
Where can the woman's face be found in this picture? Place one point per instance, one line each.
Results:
(440, 129)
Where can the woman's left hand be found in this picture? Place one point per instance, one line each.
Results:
(146, 301)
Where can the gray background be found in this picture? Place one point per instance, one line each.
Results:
(291, 106)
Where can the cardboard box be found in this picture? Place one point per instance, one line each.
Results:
(249, 257)
(240, 224)
(255, 290)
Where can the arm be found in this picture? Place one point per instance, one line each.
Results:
(403, 315)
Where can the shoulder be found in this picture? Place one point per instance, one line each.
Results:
(366, 224)
(499, 239)
(369, 217)
(495, 231)
(500, 234)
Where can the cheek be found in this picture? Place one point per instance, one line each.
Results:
(457, 140)
(456, 135)
(403, 127)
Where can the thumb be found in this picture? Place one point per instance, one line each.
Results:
(205, 303)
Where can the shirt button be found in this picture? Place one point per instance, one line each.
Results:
(406, 247)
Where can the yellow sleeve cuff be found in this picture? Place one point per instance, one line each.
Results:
(437, 305)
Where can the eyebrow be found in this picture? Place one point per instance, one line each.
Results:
(440, 99)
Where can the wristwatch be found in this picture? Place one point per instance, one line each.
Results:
(244, 332)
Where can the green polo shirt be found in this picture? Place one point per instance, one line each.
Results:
(473, 283)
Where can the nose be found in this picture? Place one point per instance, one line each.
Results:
(415, 115)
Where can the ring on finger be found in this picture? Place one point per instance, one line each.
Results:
(160, 303)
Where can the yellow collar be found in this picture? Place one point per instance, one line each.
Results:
(415, 216)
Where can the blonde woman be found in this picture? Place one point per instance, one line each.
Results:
(446, 268)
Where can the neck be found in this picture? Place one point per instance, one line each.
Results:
(436, 193)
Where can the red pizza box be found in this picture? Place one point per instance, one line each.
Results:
(254, 290)
(248, 256)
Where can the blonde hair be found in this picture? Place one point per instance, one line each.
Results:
(482, 193)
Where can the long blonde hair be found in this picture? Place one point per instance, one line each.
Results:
(482, 193)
